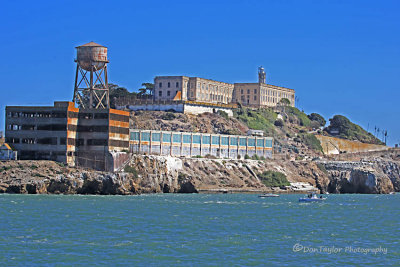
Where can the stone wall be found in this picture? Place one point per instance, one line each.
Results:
(178, 106)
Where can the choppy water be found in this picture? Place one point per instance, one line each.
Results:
(177, 229)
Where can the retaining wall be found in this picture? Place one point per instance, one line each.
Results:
(333, 145)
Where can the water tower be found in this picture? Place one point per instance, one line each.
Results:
(261, 75)
(91, 81)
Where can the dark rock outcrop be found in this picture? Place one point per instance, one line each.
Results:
(357, 177)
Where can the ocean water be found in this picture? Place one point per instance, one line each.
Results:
(199, 229)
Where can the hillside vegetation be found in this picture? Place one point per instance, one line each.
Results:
(292, 129)
(351, 131)
(260, 119)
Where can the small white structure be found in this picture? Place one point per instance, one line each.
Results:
(7, 153)
(255, 132)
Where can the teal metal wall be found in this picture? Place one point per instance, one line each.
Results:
(196, 144)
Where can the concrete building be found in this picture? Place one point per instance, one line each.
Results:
(193, 89)
(182, 88)
(261, 94)
(64, 133)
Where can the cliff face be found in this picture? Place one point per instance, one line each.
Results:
(156, 174)
(165, 174)
(152, 174)
(48, 177)
(358, 177)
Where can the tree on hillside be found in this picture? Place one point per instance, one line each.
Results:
(317, 118)
(284, 102)
(117, 91)
(146, 90)
(351, 131)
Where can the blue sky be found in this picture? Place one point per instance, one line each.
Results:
(341, 57)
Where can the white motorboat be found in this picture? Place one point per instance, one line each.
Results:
(268, 195)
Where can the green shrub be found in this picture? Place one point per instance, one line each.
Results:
(273, 179)
(246, 156)
(198, 156)
(223, 114)
(5, 168)
(131, 169)
(33, 167)
(168, 116)
(261, 119)
(278, 123)
(61, 164)
(317, 118)
(284, 101)
(231, 132)
(322, 168)
(255, 157)
(262, 158)
(181, 177)
(301, 116)
(310, 141)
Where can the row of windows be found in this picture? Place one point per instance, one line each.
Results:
(268, 93)
(54, 114)
(169, 85)
(29, 127)
(213, 88)
(248, 91)
(200, 139)
(213, 97)
(263, 98)
(160, 93)
(40, 141)
(248, 98)
(85, 115)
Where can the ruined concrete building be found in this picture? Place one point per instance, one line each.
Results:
(92, 135)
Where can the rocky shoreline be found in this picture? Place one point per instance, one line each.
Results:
(160, 174)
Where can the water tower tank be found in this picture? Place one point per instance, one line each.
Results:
(91, 54)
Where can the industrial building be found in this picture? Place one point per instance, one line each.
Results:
(64, 133)
(92, 135)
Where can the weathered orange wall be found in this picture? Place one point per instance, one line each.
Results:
(333, 145)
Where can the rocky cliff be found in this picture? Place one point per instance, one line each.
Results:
(357, 177)
(156, 174)
(152, 174)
